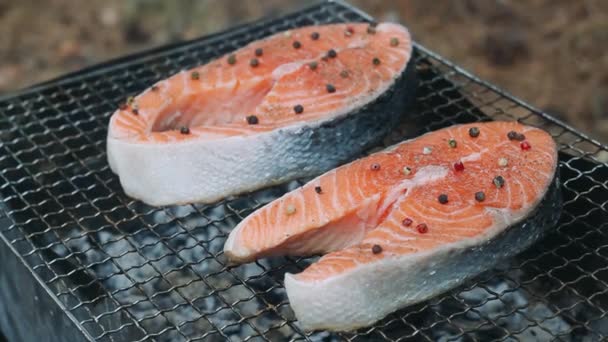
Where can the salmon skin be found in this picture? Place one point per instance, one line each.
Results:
(407, 223)
(293, 105)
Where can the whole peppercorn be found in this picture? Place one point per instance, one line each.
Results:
(376, 249)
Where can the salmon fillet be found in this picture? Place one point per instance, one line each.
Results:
(292, 105)
(407, 223)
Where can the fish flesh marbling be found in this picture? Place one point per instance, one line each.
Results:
(295, 104)
(407, 223)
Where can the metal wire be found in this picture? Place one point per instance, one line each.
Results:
(127, 271)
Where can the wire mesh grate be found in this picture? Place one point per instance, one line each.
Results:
(128, 271)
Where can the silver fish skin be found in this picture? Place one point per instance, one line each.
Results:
(210, 171)
(407, 281)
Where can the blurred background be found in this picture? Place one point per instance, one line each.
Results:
(551, 53)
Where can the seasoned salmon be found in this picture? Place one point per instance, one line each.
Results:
(407, 223)
(292, 105)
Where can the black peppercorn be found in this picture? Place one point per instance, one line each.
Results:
(376, 249)
(252, 120)
(474, 132)
(298, 109)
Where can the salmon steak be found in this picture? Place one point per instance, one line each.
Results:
(407, 223)
(292, 105)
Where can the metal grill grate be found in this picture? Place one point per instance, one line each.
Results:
(126, 271)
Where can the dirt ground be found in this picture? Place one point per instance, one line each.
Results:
(551, 53)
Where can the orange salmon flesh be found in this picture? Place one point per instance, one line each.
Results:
(295, 104)
(365, 202)
(216, 99)
(413, 213)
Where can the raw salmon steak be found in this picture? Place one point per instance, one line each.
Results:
(407, 223)
(292, 105)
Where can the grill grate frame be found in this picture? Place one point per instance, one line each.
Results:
(127, 271)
